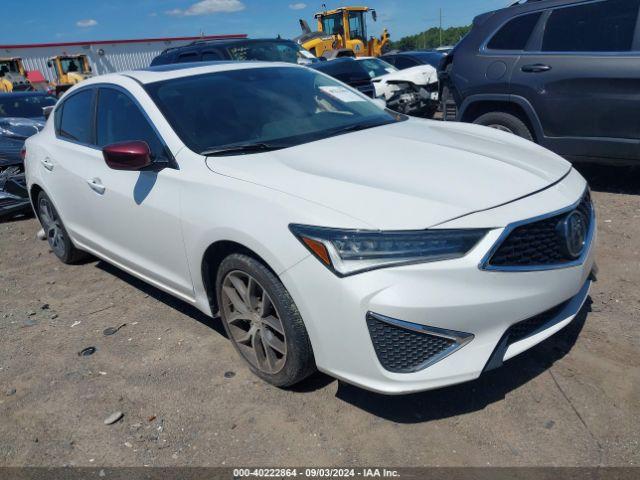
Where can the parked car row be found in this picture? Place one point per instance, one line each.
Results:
(413, 91)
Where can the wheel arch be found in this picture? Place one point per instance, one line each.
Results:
(213, 256)
(477, 105)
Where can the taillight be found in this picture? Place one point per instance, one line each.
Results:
(23, 153)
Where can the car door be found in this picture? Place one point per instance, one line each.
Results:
(66, 164)
(135, 215)
(582, 78)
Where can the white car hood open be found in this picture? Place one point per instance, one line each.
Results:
(409, 175)
(420, 75)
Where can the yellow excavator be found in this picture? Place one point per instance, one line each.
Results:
(13, 75)
(343, 28)
(69, 70)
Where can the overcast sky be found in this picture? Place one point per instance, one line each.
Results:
(72, 20)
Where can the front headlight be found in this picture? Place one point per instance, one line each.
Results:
(346, 252)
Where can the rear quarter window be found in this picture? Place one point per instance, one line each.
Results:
(76, 123)
(515, 34)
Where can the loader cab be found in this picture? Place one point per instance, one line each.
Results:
(11, 65)
(348, 25)
(73, 64)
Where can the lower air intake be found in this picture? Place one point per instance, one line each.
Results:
(402, 347)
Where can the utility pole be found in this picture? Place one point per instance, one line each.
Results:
(441, 27)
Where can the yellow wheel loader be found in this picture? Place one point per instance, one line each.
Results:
(69, 70)
(343, 28)
(13, 75)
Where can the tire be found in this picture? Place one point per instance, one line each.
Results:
(56, 234)
(505, 122)
(267, 326)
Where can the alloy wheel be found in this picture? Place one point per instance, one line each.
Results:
(253, 322)
(501, 128)
(52, 226)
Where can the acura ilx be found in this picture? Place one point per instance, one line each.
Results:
(394, 253)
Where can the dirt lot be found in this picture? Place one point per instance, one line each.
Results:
(188, 400)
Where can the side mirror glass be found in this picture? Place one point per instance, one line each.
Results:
(127, 155)
(374, 15)
(46, 111)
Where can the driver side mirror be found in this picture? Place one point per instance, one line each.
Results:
(374, 15)
(131, 156)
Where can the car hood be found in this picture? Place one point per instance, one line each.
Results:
(18, 127)
(408, 175)
(419, 75)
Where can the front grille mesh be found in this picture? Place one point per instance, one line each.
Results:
(537, 243)
(404, 351)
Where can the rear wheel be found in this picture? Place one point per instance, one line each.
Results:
(263, 322)
(505, 122)
(55, 233)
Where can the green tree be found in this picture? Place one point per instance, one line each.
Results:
(431, 38)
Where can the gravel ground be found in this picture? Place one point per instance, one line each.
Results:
(187, 399)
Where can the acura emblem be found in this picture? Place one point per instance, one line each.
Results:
(573, 231)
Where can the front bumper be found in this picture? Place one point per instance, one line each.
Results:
(454, 295)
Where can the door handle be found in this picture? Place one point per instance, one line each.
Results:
(96, 185)
(536, 68)
(47, 163)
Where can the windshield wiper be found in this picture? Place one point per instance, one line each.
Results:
(240, 148)
(356, 128)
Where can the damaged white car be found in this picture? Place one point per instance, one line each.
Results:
(413, 91)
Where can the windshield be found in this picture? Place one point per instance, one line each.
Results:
(70, 65)
(376, 67)
(25, 107)
(283, 106)
(332, 24)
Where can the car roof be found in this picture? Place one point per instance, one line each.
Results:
(516, 8)
(24, 94)
(180, 70)
(224, 43)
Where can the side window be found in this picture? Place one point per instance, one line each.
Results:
(77, 114)
(405, 62)
(606, 26)
(515, 34)
(119, 119)
(188, 57)
(211, 55)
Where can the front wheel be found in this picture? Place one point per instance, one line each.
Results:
(263, 322)
(505, 122)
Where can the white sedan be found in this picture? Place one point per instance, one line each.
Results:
(395, 253)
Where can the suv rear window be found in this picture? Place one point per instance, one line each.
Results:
(606, 26)
(515, 34)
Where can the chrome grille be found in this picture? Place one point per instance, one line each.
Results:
(538, 243)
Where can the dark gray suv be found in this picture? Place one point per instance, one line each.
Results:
(564, 73)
